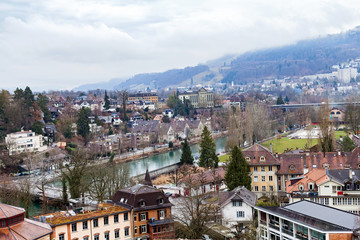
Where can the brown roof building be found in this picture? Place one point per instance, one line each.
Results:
(151, 210)
(14, 225)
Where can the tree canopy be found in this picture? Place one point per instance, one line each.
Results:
(186, 156)
(238, 171)
(347, 145)
(208, 157)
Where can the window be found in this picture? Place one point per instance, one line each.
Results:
(96, 237)
(256, 178)
(338, 188)
(117, 233)
(126, 217)
(270, 178)
(86, 238)
(96, 222)
(61, 237)
(292, 167)
(237, 203)
(262, 168)
(247, 159)
(135, 217)
(255, 169)
(106, 235)
(142, 216)
(339, 201)
(263, 178)
(263, 188)
(116, 218)
(270, 168)
(334, 189)
(143, 229)
(85, 226)
(106, 220)
(135, 230)
(73, 227)
(348, 187)
(240, 214)
(311, 186)
(271, 188)
(256, 189)
(161, 214)
(126, 231)
(142, 203)
(262, 159)
(279, 188)
(161, 201)
(279, 178)
(326, 201)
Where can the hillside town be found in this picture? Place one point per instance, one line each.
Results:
(143, 165)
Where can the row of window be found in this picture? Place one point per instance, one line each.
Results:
(240, 214)
(106, 235)
(262, 168)
(337, 201)
(263, 178)
(263, 188)
(96, 222)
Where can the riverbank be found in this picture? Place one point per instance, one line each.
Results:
(150, 151)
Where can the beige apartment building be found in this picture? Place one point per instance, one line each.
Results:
(107, 222)
(199, 99)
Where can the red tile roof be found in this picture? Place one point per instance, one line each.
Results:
(255, 152)
(316, 176)
(7, 211)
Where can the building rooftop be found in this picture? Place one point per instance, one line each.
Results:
(317, 216)
(65, 217)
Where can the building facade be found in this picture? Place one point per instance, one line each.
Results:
(152, 97)
(24, 141)
(151, 210)
(236, 207)
(306, 220)
(198, 99)
(338, 188)
(263, 169)
(107, 222)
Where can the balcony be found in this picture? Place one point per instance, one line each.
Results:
(287, 231)
(274, 225)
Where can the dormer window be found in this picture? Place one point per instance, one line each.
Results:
(160, 201)
(292, 167)
(247, 159)
(326, 166)
(142, 203)
(311, 186)
(262, 159)
(301, 187)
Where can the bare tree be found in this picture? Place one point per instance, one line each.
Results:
(326, 138)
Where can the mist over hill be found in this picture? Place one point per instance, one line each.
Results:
(303, 58)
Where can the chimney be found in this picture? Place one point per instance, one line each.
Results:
(306, 169)
(351, 173)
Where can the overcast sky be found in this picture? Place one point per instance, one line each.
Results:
(61, 44)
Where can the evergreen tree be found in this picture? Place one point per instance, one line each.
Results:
(107, 101)
(64, 191)
(42, 102)
(238, 171)
(186, 156)
(347, 145)
(83, 122)
(208, 157)
(28, 97)
(37, 128)
(279, 100)
(287, 100)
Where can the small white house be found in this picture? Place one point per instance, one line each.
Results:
(236, 207)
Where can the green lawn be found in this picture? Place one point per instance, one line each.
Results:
(280, 145)
(224, 158)
(340, 133)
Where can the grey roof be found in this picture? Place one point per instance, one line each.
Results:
(327, 214)
(343, 175)
(239, 193)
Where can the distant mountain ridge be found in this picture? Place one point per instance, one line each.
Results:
(303, 58)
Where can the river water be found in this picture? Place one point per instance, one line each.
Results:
(138, 167)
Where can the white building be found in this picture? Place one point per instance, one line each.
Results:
(306, 220)
(24, 141)
(236, 207)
